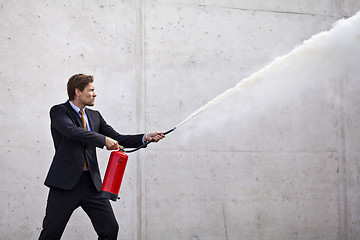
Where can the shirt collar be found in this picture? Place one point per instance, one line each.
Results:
(76, 108)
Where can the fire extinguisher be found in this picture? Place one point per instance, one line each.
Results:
(114, 175)
(115, 171)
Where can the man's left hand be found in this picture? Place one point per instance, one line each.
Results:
(155, 136)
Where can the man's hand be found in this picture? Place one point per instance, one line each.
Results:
(155, 136)
(111, 144)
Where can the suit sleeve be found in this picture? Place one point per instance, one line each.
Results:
(61, 121)
(128, 141)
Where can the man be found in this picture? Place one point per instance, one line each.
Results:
(74, 178)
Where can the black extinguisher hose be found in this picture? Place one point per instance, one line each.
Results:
(145, 144)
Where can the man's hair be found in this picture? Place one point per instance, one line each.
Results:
(79, 81)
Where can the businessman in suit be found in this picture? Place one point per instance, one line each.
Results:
(74, 177)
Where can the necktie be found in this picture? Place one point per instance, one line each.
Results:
(85, 127)
(83, 119)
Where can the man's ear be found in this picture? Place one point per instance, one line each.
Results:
(77, 91)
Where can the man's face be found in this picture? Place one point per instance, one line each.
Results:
(87, 96)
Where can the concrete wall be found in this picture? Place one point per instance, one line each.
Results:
(268, 173)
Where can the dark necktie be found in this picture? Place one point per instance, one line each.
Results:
(85, 127)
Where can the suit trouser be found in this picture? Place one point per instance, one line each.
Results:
(62, 203)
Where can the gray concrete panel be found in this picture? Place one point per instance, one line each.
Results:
(179, 48)
(351, 7)
(293, 111)
(43, 43)
(322, 7)
(242, 195)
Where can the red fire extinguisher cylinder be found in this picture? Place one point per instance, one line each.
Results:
(114, 175)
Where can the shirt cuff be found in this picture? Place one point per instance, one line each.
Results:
(144, 138)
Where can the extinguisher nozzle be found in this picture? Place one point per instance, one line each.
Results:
(169, 131)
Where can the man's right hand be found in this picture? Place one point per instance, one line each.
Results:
(111, 144)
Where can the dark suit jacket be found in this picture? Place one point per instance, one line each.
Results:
(73, 144)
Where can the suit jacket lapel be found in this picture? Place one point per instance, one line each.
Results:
(73, 114)
(89, 118)
(93, 121)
